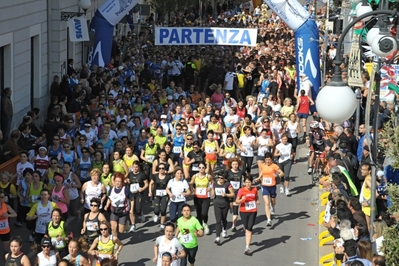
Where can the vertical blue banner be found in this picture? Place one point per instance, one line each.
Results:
(307, 55)
(100, 53)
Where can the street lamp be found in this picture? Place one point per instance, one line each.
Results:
(83, 4)
(327, 103)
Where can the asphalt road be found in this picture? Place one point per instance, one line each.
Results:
(295, 218)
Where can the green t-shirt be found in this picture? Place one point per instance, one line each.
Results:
(187, 228)
(160, 140)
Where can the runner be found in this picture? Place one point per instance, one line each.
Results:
(138, 183)
(222, 192)
(211, 148)
(202, 184)
(188, 229)
(228, 150)
(158, 185)
(247, 143)
(177, 189)
(235, 176)
(168, 243)
(268, 172)
(284, 153)
(187, 148)
(247, 198)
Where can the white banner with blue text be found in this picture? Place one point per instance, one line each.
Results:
(205, 36)
(78, 30)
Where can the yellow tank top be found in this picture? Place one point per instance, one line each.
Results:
(128, 162)
(186, 150)
(214, 127)
(230, 151)
(210, 147)
(201, 184)
(117, 167)
(106, 248)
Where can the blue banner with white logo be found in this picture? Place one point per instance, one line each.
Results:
(100, 53)
(205, 36)
(104, 20)
(307, 55)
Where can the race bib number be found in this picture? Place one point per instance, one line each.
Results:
(230, 155)
(219, 191)
(187, 238)
(57, 244)
(195, 167)
(84, 174)
(180, 197)
(134, 187)
(35, 198)
(150, 158)
(235, 184)
(267, 180)
(209, 149)
(103, 256)
(40, 227)
(160, 192)
(176, 149)
(91, 226)
(4, 225)
(200, 191)
(250, 205)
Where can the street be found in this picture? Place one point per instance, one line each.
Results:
(296, 217)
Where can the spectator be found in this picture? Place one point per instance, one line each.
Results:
(7, 112)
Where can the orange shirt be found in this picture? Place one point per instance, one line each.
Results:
(251, 196)
(268, 178)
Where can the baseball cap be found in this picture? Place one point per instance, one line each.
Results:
(46, 241)
(87, 125)
(163, 117)
(120, 68)
(380, 173)
(170, 98)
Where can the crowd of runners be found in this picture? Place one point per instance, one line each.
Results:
(170, 125)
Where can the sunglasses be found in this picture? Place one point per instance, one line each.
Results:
(161, 168)
(201, 167)
(82, 139)
(178, 128)
(54, 163)
(103, 229)
(189, 139)
(56, 139)
(93, 205)
(66, 147)
(46, 246)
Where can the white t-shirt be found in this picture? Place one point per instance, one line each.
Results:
(229, 78)
(177, 188)
(285, 152)
(173, 248)
(246, 142)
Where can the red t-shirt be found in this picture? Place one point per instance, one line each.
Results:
(241, 112)
(249, 204)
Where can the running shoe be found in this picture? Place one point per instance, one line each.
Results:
(142, 218)
(247, 251)
(224, 234)
(233, 229)
(155, 218)
(287, 192)
(281, 189)
(269, 223)
(272, 210)
(217, 241)
(132, 228)
(162, 226)
(19, 224)
(310, 170)
(206, 228)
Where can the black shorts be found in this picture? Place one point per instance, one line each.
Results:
(319, 147)
(5, 237)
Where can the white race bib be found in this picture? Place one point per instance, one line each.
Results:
(4, 224)
(91, 226)
(195, 167)
(251, 205)
(150, 158)
(200, 191)
(180, 197)
(230, 155)
(219, 191)
(35, 199)
(267, 180)
(176, 149)
(134, 187)
(187, 238)
(57, 244)
(235, 184)
(40, 226)
(160, 192)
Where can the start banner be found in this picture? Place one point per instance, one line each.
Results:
(205, 36)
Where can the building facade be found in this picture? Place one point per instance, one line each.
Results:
(34, 47)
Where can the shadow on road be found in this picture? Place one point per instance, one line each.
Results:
(300, 189)
(137, 263)
(289, 216)
(267, 243)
